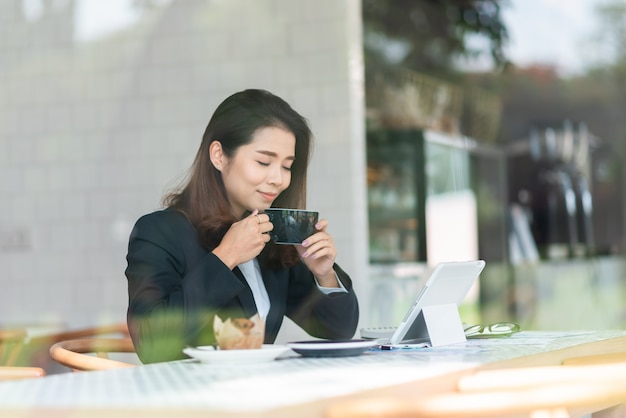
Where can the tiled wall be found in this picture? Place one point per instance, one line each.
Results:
(94, 129)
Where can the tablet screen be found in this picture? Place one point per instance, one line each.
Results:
(448, 283)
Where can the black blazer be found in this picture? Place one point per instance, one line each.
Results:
(176, 287)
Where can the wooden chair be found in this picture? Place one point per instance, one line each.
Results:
(14, 373)
(37, 349)
(33, 354)
(118, 329)
(11, 343)
(549, 391)
(88, 354)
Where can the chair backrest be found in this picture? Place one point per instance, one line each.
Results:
(11, 342)
(14, 373)
(87, 354)
(550, 391)
(118, 329)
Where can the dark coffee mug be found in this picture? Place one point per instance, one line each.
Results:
(291, 226)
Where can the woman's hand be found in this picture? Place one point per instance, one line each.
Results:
(318, 252)
(244, 240)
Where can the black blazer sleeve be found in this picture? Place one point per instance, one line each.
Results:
(172, 287)
(329, 316)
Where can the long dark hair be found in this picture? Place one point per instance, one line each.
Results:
(203, 199)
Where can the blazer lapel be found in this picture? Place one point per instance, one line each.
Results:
(245, 297)
(276, 291)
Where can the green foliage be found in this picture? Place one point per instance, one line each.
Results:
(427, 35)
(611, 23)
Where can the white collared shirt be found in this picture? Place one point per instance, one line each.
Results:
(252, 272)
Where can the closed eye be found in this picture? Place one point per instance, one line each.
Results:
(264, 164)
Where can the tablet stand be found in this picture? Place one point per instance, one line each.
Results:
(439, 324)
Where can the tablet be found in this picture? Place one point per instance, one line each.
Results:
(448, 283)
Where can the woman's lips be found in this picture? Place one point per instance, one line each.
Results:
(268, 196)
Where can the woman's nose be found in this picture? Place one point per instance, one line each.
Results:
(276, 176)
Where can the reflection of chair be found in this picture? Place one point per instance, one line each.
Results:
(11, 343)
(37, 350)
(549, 391)
(618, 357)
(75, 354)
(32, 353)
(13, 373)
(49, 339)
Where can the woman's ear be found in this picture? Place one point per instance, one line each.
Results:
(216, 155)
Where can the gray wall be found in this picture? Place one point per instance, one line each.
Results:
(95, 128)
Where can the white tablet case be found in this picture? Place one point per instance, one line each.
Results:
(434, 316)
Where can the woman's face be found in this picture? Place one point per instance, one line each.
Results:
(259, 171)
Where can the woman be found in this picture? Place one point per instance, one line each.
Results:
(209, 252)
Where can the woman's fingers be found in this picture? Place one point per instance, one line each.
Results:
(261, 220)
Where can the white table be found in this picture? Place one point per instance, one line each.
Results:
(266, 389)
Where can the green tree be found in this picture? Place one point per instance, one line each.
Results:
(427, 35)
(611, 35)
